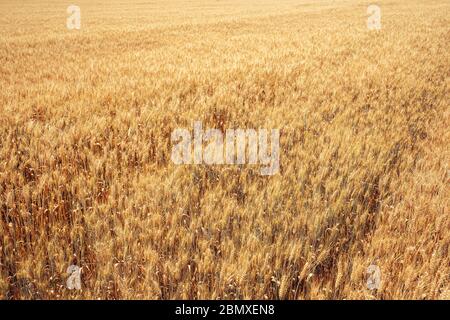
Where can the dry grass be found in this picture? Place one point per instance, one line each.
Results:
(85, 170)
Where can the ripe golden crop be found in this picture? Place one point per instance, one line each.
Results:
(86, 176)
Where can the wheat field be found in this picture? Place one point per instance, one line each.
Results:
(86, 176)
